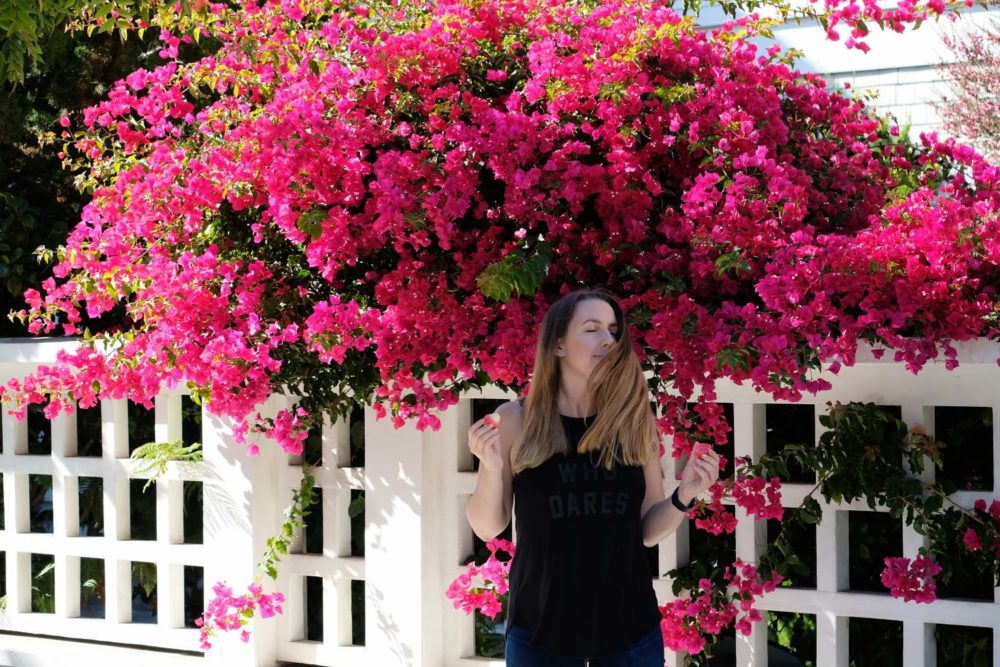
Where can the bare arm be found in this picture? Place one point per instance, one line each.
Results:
(660, 522)
(490, 506)
(659, 516)
(662, 518)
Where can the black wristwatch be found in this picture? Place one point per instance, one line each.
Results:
(676, 500)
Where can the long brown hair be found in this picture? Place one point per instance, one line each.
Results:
(624, 430)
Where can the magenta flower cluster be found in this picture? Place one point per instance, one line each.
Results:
(853, 15)
(988, 530)
(479, 588)
(232, 612)
(707, 610)
(911, 579)
(346, 195)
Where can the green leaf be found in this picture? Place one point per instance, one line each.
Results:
(933, 503)
(357, 507)
(732, 260)
(310, 222)
(515, 272)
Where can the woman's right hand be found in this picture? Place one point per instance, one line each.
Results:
(484, 443)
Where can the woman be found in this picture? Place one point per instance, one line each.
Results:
(580, 456)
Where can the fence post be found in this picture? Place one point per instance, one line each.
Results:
(404, 585)
(242, 504)
(749, 439)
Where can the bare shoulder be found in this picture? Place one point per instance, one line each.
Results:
(510, 423)
(510, 409)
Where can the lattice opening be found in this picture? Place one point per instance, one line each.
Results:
(144, 584)
(791, 425)
(314, 525)
(190, 421)
(141, 425)
(39, 431)
(874, 536)
(194, 594)
(43, 583)
(194, 512)
(711, 550)
(88, 431)
(875, 642)
(802, 540)
(490, 634)
(791, 634)
(963, 646)
(142, 510)
(357, 438)
(92, 587)
(314, 609)
(358, 612)
(967, 459)
(729, 448)
(312, 448)
(963, 579)
(91, 502)
(41, 512)
(356, 513)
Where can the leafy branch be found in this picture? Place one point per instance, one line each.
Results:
(295, 513)
(516, 271)
(156, 456)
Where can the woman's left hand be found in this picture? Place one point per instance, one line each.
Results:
(700, 473)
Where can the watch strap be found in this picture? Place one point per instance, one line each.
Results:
(676, 500)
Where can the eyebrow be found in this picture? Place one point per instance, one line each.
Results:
(614, 324)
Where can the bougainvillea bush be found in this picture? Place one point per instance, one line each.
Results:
(368, 205)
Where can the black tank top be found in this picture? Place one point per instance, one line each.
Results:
(579, 579)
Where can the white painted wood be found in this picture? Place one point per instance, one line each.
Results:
(396, 487)
(241, 511)
(749, 439)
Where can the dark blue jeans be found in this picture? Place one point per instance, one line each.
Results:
(647, 652)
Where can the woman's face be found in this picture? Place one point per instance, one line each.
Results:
(591, 333)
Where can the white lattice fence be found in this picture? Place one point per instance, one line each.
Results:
(976, 383)
(415, 534)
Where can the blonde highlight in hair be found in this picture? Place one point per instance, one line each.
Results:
(624, 430)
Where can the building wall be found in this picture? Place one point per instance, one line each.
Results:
(903, 69)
